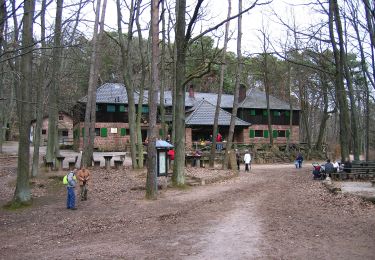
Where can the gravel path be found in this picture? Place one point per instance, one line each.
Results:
(273, 212)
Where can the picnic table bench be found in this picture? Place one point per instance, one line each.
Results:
(357, 170)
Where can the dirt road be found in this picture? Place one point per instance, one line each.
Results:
(274, 212)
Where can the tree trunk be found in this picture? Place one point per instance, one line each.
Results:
(370, 21)
(290, 137)
(90, 117)
(42, 83)
(267, 88)
(340, 89)
(228, 149)
(151, 182)
(53, 112)
(355, 23)
(178, 177)
(22, 193)
(141, 90)
(220, 90)
(164, 126)
(127, 76)
(3, 14)
(348, 77)
(325, 117)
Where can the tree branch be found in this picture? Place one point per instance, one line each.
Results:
(226, 20)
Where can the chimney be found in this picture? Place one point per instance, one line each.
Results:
(191, 91)
(242, 93)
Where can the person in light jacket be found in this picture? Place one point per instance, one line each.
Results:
(71, 198)
(247, 160)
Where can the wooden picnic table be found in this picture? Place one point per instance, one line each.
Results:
(107, 161)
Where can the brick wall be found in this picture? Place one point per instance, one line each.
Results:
(188, 137)
(114, 141)
(65, 124)
(279, 140)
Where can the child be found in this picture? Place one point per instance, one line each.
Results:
(247, 160)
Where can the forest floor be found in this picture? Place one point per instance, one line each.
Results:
(273, 212)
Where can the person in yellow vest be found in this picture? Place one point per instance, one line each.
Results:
(83, 176)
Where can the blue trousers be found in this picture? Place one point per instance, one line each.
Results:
(71, 199)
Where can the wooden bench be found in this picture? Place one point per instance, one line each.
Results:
(203, 161)
(96, 163)
(72, 164)
(49, 165)
(118, 163)
(358, 170)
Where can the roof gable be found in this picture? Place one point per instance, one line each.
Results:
(257, 99)
(116, 93)
(204, 114)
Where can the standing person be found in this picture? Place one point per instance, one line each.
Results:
(83, 178)
(238, 159)
(171, 157)
(247, 160)
(299, 160)
(329, 168)
(219, 139)
(71, 182)
(336, 166)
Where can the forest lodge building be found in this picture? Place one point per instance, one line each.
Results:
(112, 126)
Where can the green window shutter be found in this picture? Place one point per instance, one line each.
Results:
(265, 113)
(144, 109)
(265, 133)
(274, 133)
(76, 133)
(83, 132)
(287, 134)
(160, 132)
(111, 108)
(103, 132)
(252, 112)
(122, 108)
(252, 133)
(123, 131)
(287, 113)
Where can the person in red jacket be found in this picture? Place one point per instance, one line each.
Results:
(171, 157)
(219, 139)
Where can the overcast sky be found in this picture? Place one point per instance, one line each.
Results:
(216, 11)
(253, 21)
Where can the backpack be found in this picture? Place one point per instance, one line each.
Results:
(65, 179)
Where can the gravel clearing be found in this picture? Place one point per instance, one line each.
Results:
(273, 212)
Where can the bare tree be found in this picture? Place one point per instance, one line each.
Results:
(3, 19)
(43, 82)
(181, 41)
(53, 102)
(127, 74)
(151, 184)
(340, 89)
(220, 90)
(88, 143)
(236, 89)
(22, 193)
(142, 86)
(266, 82)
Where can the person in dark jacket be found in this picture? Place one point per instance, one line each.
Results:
(299, 160)
(238, 159)
(329, 168)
